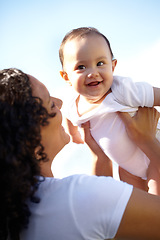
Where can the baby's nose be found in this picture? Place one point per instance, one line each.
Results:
(93, 74)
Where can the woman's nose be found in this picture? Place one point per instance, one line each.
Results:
(58, 102)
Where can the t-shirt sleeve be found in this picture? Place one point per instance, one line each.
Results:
(98, 206)
(133, 94)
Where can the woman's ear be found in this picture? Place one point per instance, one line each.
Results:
(114, 63)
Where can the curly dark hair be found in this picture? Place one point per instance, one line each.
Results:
(21, 116)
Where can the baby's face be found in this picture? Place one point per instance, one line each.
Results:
(89, 67)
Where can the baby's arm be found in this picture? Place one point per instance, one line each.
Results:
(135, 94)
(73, 131)
(156, 96)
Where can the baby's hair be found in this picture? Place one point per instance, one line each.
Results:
(80, 32)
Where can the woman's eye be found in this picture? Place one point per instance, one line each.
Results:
(100, 63)
(81, 67)
(52, 105)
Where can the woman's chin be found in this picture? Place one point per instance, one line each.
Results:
(66, 136)
(68, 139)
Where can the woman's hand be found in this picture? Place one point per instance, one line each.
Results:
(94, 147)
(102, 166)
(142, 127)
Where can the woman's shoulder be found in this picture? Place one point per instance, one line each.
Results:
(83, 183)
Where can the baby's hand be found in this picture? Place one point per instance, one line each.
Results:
(76, 138)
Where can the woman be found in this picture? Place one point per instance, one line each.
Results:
(35, 205)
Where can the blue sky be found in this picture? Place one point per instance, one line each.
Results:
(31, 32)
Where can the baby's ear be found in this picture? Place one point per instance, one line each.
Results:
(64, 75)
(114, 63)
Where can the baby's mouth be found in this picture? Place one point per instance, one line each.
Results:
(95, 83)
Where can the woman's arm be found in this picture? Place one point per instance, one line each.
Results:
(102, 165)
(74, 133)
(142, 129)
(156, 96)
(141, 219)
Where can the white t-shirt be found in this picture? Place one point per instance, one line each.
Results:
(109, 130)
(77, 207)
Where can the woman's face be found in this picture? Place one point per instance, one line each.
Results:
(54, 137)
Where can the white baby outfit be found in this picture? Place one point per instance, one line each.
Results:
(108, 129)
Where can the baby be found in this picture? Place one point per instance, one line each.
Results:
(88, 66)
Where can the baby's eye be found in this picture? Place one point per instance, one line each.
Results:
(81, 67)
(100, 63)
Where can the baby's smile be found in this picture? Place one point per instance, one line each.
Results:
(95, 83)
